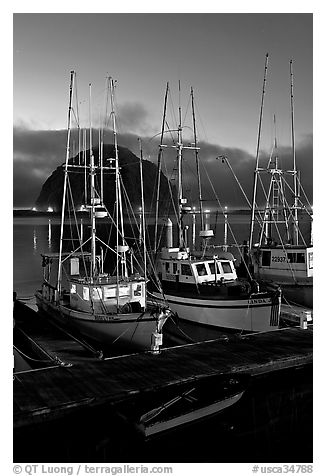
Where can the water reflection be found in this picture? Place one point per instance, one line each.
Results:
(49, 234)
(34, 241)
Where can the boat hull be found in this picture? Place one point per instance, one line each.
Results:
(134, 331)
(176, 406)
(301, 293)
(254, 314)
(189, 418)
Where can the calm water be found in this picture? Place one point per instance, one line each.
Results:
(271, 423)
(33, 236)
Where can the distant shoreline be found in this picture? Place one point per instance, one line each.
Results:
(33, 213)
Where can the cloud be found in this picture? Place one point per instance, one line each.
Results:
(37, 154)
(134, 117)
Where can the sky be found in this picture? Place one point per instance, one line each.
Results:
(220, 55)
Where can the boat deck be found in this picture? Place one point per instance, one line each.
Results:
(45, 394)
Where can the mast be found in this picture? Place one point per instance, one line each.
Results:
(142, 207)
(295, 178)
(119, 213)
(257, 156)
(197, 161)
(85, 164)
(159, 167)
(100, 153)
(71, 89)
(179, 148)
(93, 198)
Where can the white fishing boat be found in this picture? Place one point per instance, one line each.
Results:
(177, 406)
(281, 254)
(110, 308)
(204, 288)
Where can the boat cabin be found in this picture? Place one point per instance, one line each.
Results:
(180, 266)
(283, 262)
(101, 295)
(98, 294)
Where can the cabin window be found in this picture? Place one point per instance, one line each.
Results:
(266, 258)
(167, 267)
(301, 258)
(137, 290)
(291, 257)
(296, 257)
(74, 266)
(175, 268)
(85, 293)
(201, 269)
(73, 289)
(214, 268)
(97, 294)
(226, 267)
(186, 270)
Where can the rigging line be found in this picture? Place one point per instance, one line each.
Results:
(134, 221)
(170, 188)
(226, 160)
(76, 119)
(106, 245)
(187, 110)
(31, 358)
(70, 195)
(304, 193)
(76, 101)
(172, 110)
(283, 247)
(257, 152)
(138, 248)
(133, 224)
(285, 205)
(204, 132)
(229, 227)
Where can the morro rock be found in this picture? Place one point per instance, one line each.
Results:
(52, 190)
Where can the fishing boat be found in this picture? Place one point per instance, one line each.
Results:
(107, 307)
(177, 406)
(202, 287)
(282, 255)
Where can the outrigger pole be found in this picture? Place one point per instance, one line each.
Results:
(257, 156)
(71, 89)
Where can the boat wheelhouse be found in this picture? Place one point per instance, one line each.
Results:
(284, 264)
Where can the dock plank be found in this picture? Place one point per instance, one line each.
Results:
(61, 389)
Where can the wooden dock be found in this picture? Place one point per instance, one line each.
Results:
(55, 345)
(43, 395)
